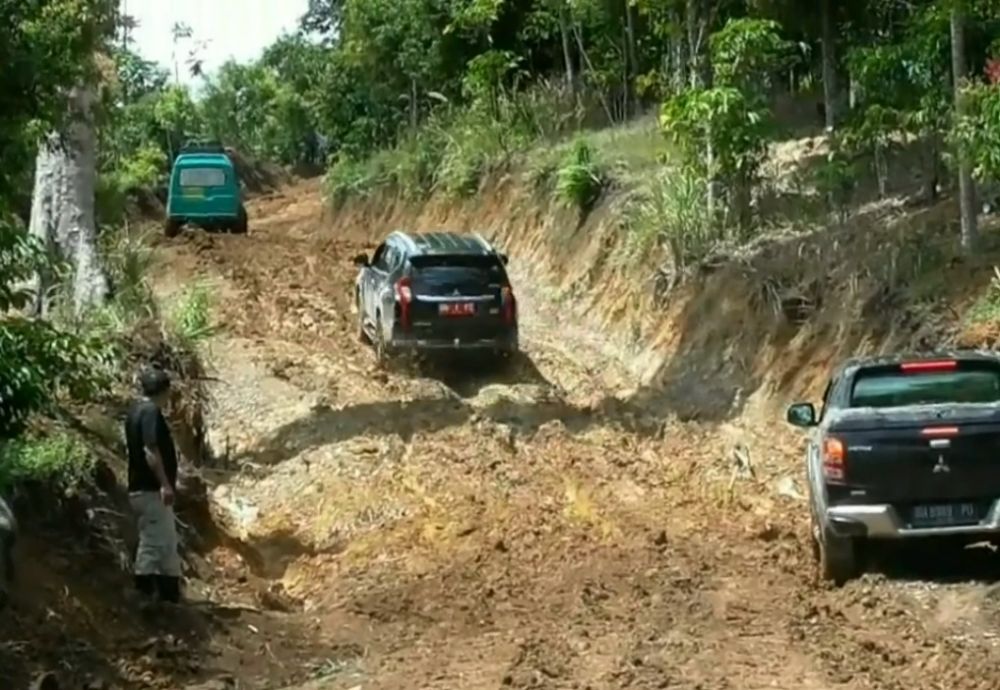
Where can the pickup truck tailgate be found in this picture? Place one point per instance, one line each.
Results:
(924, 438)
(939, 457)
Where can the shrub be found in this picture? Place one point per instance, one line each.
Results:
(58, 459)
(349, 178)
(191, 321)
(580, 177)
(669, 212)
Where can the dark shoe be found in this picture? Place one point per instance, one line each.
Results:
(170, 589)
(146, 585)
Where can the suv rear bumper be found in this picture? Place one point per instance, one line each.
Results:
(508, 342)
(882, 521)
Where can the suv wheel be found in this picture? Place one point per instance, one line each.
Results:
(837, 556)
(362, 335)
(381, 349)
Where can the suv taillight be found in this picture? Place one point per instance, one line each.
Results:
(834, 460)
(508, 305)
(404, 293)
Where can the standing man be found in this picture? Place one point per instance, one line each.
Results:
(152, 482)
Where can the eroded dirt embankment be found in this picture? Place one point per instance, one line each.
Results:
(579, 520)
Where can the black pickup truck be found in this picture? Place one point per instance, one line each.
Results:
(903, 447)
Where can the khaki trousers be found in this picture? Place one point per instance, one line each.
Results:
(157, 550)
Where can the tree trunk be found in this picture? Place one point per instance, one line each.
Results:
(682, 59)
(697, 21)
(567, 51)
(932, 166)
(578, 33)
(829, 64)
(414, 106)
(62, 207)
(694, 49)
(633, 62)
(966, 186)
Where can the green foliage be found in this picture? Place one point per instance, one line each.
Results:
(669, 212)
(39, 363)
(59, 460)
(986, 308)
(721, 136)
(580, 178)
(44, 48)
(748, 52)
(979, 130)
(191, 320)
(836, 180)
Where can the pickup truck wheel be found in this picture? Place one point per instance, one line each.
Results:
(838, 557)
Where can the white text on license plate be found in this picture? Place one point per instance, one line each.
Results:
(457, 309)
(945, 514)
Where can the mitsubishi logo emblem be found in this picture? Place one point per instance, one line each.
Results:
(455, 292)
(941, 466)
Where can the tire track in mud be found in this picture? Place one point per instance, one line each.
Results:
(514, 529)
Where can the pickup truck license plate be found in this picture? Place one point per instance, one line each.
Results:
(457, 309)
(945, 514)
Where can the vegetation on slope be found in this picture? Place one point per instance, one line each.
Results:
(65, 359)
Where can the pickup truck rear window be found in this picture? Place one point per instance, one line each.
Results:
(898, 389)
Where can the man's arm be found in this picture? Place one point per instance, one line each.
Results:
(151, 445)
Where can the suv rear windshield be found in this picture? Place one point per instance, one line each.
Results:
(898, 389)
(202, 177)
(456, 271)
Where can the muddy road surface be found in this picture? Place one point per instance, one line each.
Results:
(527, 527)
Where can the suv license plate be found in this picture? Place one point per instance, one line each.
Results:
(945, 514)
(194, 192)
(457, 309)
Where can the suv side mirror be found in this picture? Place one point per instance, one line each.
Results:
(504, 258)
(802, 415)
(360, 260)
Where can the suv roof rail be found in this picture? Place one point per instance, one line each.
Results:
(485, 242)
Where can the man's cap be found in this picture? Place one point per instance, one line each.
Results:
(154, 381)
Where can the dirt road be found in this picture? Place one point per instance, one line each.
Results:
(527, 528)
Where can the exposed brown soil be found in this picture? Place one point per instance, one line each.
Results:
(575, 521)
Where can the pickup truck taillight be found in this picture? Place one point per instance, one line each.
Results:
(834, 460)
(508, 305)
(404, 293)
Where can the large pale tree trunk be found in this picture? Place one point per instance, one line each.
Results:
(62, 208)
(567, 50)
(966, 186)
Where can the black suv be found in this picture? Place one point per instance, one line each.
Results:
(436, 291)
